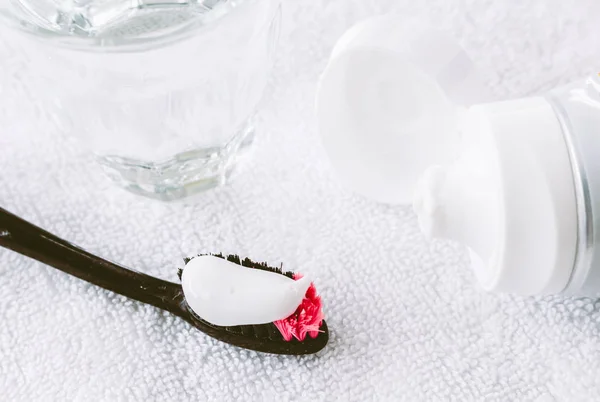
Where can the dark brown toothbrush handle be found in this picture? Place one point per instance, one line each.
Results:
(27, 239)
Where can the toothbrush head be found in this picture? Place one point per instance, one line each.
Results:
(304, 331)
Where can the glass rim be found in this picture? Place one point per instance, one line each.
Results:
(103, 44)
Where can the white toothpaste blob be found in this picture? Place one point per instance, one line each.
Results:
(227, 294)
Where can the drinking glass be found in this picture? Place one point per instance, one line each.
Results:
(164, 92)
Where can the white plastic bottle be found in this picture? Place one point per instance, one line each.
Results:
(403, 119)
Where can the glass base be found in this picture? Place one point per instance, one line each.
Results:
(185, 174)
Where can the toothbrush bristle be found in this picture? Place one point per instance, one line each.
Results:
(307, 318)
(247, 262)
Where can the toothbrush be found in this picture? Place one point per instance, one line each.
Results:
(29, 240)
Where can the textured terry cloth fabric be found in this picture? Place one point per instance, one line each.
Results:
(407, 320)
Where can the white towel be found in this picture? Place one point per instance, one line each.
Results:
(407, 320)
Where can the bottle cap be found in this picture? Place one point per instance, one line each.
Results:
(389, 105)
